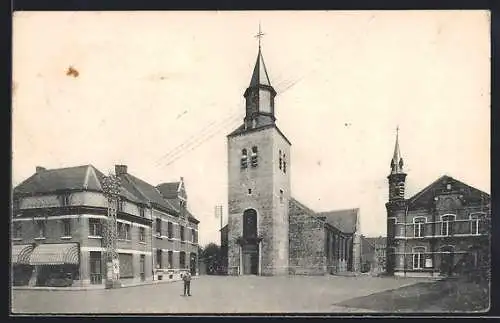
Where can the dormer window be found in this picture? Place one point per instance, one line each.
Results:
(119, 206)
(244, 159)
(65, 201)
(254, 156)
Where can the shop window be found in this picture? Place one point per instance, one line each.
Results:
(126, 265)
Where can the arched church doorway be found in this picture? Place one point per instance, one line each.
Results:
(250, 243)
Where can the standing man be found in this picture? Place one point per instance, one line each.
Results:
(187, 283)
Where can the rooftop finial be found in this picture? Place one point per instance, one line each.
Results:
(260, 34)
(397, 160)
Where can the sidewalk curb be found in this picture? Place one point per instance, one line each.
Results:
(99, 287)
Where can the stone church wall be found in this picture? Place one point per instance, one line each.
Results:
(307, 244)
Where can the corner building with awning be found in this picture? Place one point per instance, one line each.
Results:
(58, 227)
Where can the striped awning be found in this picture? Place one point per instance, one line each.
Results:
(21, 254)
(55, 254)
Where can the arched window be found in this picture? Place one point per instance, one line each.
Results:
(281, 160)
(254, 156)
(250, 223)
(447, 224)
(419, 226)
(284, 163)
(418, 257)
(244, 158)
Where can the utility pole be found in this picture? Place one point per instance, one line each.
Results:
(219, 214)
(111, 188)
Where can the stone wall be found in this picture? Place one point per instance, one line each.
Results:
(307, 244)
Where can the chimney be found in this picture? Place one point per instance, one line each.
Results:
(120, 170)
(40, 169)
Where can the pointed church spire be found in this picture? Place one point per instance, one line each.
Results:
(397, 160)
(259, 76)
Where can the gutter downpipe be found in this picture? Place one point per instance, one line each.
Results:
(406, 218)
(152, 249)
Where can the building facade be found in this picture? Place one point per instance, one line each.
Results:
(442, 230)
(269, 232)
(58, 222)
(373, 255)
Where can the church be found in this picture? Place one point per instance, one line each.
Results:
(269, 232)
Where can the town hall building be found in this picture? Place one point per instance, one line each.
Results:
(269, 232)
(443, 230)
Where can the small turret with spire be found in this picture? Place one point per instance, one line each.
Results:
(397, 177)
(259, 95)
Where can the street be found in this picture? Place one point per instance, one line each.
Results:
(214, 294)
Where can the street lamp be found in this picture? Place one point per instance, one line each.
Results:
(111, 188)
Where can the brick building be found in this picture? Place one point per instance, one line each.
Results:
(373, 255)
(58, 225)
(269, 232)
(442, 230)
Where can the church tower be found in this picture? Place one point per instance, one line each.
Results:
(396, 205)
(258, 184)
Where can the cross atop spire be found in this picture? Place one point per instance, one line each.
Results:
(259, 75)
(260, 34)
(397, 160)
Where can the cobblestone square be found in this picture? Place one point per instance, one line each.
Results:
(214, 294)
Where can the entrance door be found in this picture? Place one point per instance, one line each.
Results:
(95, 267)
(447, 260)
(142, 267)
(193, 262)
(251, 259)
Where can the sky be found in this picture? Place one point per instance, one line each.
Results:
(159, 92)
